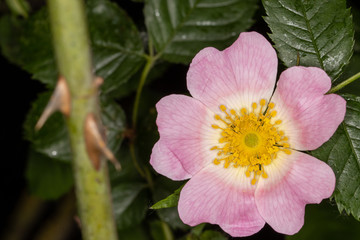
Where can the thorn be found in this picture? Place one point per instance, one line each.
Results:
(59, 101)
(95, 144)
(98, 82)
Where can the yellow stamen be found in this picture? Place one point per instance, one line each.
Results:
(254, 106)
(250, 139)
(262, 102)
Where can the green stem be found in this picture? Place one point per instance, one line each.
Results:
(150, 60)
(136, 164)
(167, 231)
(72, 48)
(145, 173)
(149, 64)
(344, 83)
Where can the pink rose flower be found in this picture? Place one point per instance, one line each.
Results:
(240, 142)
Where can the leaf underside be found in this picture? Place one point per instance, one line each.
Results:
(320, 33)
(180, 28)
(342, 153)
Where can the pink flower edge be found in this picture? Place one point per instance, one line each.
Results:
(281, 199)
(242, 72)
(185, 145)
(300, 97)
(211, 196)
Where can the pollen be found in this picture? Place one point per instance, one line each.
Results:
(249, 139)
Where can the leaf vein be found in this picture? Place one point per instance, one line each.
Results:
(332, 47)
(290, 9)
(311, 35)
(298, 49)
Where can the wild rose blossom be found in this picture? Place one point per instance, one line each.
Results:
(240, 142)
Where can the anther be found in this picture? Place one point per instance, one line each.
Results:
(273, 113)
(253, 181)
(216, 161)
(287, 151)
(243, 111)
(271, 105)
(254, 105)
(223, 108)
(262, 102)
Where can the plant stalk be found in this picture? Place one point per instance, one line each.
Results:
(72, 48)
(344, 83)
(149, 64)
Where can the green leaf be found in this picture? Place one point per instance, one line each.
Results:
(342, 153)
(160, 230)
(170, 201)
(179, 29)
(134, 233)
(19, 7)
(198, 229)
(212, 235)
(356, 16)
(156, 72)
(128, 171)
(116, 44)
(319, 32)
(163, 188)
(130, 203)
(130, 196)
(114, 120)
(28, 44)
(323, 222)
(52, 139)
(47, 178)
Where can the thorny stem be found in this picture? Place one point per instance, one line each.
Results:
(344, 83)
(71, 44)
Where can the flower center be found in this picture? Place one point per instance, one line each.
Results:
(249, 139)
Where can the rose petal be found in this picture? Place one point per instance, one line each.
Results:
(185, 130)
(166, 163)
(236, 77)
(221, 196)
(309, 118)
(293, 181)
